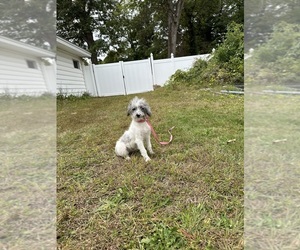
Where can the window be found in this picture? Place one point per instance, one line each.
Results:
(31, 64)
(76, 64)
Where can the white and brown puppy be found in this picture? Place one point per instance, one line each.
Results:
(137, 137)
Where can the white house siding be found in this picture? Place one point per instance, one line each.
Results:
(69, 80)
(16, 78)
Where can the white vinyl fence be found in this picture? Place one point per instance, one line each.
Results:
(140, 76)
(164, 68)
(124, 78)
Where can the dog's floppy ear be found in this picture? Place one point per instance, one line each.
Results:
(131, 105)
(147, 109)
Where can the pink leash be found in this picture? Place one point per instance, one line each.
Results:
(156, 137)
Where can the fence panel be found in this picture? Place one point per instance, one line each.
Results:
(90, 80)
(109, 79)
(137, 76)
(186, 62)
(163, 69)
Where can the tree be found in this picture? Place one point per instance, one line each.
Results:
(80, 21)
(261, 17)
(197, 26)
(174, 13)
(31, 21)
(204, 24)
(139, 30)
(132, 29)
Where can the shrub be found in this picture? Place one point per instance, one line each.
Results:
(226, 65)
(189, 77)
(277, 61)
(71, 97)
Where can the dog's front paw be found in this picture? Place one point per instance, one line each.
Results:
(147, 159)
(151, 152)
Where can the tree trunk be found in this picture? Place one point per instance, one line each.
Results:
(91, 45)
(191, 35)
(174, 13)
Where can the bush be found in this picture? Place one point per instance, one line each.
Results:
(226, 65)
(189, 77)
(277, 61)
(71, 97)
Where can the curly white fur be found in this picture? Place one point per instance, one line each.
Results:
(137, 137)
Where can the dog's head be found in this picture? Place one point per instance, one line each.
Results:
(139, 109)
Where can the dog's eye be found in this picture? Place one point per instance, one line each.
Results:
(133, 109)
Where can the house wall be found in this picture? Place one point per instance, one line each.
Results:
(17, 78)
(69, 80)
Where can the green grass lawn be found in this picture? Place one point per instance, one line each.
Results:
(27, 172)
(189, 196)
(272, 160)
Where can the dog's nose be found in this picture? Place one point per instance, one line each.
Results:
(138, 115)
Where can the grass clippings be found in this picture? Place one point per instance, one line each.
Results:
(189, 196)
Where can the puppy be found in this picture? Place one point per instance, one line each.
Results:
(137, 137)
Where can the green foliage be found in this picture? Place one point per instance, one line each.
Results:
(61, 96)
(131, 30)
(277, 61)
(262, 15)
(30, 21)
(81, 20)
(135, 36)
(226, 65)
(189, 76)
(229, 56)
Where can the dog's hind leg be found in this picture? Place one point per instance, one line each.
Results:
(121, 150)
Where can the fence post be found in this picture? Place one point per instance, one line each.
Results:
(123, 76)
(173, 61)
(98, 92)
(152, 69)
